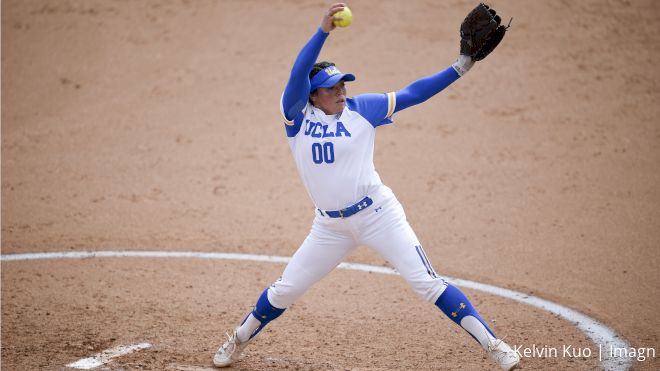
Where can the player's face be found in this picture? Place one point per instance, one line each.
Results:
(330, 100)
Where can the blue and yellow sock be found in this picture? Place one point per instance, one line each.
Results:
(261, 315)
(455, 305)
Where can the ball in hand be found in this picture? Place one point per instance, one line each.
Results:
(346, 17)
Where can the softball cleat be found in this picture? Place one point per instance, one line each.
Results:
(230, 351)
(503, 355)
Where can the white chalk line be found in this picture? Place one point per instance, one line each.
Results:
(598, 332)
(179, 367)
(105, 356)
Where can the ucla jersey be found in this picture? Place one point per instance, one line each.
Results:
(334, 153)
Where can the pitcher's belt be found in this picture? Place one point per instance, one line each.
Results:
(353, 209)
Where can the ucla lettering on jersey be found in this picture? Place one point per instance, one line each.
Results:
(319, 130)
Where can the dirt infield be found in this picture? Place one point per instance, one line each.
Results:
(154, 125)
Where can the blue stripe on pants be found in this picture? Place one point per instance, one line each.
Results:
(425, 261)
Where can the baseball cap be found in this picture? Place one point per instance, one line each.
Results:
(329, 77)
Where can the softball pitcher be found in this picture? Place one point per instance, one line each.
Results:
(332, 141)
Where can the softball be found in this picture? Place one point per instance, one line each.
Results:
(346, 17)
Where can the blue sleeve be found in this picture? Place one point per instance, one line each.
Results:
(424, 88)
(373, 107)
(296, 92)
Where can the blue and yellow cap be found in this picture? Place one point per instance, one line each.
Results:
(329, 77)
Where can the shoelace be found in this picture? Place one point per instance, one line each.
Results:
(492, 346)
(231, 343)
(496, 343)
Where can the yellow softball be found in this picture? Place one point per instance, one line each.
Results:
(346, 17)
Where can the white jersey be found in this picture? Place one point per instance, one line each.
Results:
(334, 153)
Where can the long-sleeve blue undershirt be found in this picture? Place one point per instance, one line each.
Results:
(296, 93)
(424, 88)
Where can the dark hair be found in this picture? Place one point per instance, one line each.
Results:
(318, 66)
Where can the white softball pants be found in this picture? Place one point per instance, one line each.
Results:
(382, 226)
